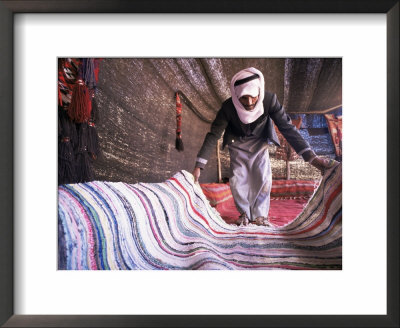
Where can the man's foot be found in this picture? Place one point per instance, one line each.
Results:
(243, 220)
(262, 221)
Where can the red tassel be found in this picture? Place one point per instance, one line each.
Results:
(81, 106)
(178, 141)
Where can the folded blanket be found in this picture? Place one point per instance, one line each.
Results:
(171, 225)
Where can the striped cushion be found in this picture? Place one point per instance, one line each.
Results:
(293, 188)
(216, 193)
(281, 211)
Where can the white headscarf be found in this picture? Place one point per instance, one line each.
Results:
(253, 88)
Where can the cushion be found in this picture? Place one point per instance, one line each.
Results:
(335, 129)
(293, 188)
(281, 211)
(288, 198)
(216, 193)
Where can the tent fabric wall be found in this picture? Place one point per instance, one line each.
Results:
(136, 104)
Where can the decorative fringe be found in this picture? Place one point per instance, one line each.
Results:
(66, 151)
(67, 128)
(179, 144)
(83, 160)
(77, 114)
(81, 105)
(83, 135)
(93, 140)
(178, 141)
(66, 159)
(83, 166)
(95, 111)
(88, 72)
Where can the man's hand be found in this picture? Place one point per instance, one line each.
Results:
(196, 174)
(321, 164)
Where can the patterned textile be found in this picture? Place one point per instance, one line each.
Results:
(286, 151)
(68, 71)
(288, 199)
(216, 193)
(281, 211)
(78, 141)
(178, 141)
(171, 225)
(293, 188)
(335, 130)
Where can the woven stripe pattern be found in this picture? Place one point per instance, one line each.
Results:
(171, 225)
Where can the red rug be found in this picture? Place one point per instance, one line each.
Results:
(288, 198)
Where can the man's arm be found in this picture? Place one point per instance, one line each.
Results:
(293, 136)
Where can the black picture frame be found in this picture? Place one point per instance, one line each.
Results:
(7, 11)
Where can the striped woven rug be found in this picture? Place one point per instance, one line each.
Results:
(171, 225)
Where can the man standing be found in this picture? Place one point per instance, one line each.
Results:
(246, 120)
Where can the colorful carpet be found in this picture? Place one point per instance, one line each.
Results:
(281, 211)
(171, 225)
(288, 199)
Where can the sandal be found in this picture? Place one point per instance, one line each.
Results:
(262, 221)
(243, 220)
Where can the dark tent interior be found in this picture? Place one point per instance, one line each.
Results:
(126, 137)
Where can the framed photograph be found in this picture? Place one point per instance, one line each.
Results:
(35, 34)
(287, 191)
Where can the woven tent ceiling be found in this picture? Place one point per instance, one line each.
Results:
(137, 107)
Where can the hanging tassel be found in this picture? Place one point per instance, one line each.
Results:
(83, 135)
(83, 160)
(83, 167)
(178, 140)
(67, 127)
(88, 72)
(94, 115)
(66, 159)
(81, 106)
(66, 156)
(93, 140)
